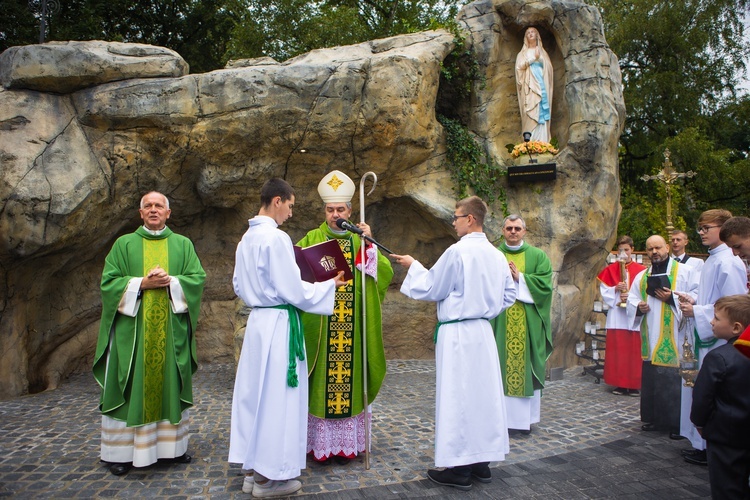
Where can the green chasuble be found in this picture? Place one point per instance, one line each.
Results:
(522, 332)
(145, 363)
(333, 343)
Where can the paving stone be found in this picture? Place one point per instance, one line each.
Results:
(588, 445)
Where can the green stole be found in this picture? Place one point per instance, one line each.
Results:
(144, 364)
(522, 332)
(155, 304)
(333, 343)
(665, 352)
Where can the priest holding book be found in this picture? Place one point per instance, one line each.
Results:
(336, 425)
(653, 308)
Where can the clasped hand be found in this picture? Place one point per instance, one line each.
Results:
(156, 278)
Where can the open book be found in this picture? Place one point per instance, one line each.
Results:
(322, 261)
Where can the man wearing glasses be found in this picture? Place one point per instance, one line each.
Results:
(723, 274)
(471, 284)
(523, 333)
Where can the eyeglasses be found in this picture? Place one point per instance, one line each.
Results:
(704, 229)
(513, 229)
(456, 217)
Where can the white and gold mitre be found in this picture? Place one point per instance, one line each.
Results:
(336, 187)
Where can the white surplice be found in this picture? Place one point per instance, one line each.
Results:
(470, 281)
(686, 282)
(722, 274)
(269, 418)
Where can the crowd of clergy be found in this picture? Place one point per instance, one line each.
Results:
(656, 313)
(312, 364)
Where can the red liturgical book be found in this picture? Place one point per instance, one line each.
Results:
(322, 261)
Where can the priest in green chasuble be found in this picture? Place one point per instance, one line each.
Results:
(145, 358)
(336, 425)
(523, 332)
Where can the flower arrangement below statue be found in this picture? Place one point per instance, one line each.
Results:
(536, 147)
(541, 151)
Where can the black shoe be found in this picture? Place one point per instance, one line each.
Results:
(649, 427)
(619, 391)
(634, 393)
(675, 436)
(341, 460)
(448, 477)
(119, 469)
(697, 457)
(692, 452)
(182, 459)
(481, 472)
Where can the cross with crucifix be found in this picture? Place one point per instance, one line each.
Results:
(668, 177)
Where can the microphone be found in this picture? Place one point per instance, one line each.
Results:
(345, 224)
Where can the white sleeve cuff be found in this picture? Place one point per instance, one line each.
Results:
(179, 303)
(524, 294)
(130, 300)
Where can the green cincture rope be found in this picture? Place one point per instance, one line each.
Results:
(441, 323)
(296, 342)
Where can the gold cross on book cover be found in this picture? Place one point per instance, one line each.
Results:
(322, 261)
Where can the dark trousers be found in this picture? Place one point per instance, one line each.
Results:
(728, 471)
(660, 397)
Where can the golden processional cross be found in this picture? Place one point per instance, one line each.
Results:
(668, 177)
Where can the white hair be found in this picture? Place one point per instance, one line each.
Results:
(157, 192)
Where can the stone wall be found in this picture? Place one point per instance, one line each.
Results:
(87, 127)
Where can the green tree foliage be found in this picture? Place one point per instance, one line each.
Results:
(198, 30)
(470, 166)
(286, 28)
(209, 32)
(681, 63)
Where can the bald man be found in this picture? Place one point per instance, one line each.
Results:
(650, 308)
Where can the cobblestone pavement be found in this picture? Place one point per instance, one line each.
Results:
(588, 445)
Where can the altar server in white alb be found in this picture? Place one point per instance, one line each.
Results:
(269, 406)
(471, 283)
(723, 274)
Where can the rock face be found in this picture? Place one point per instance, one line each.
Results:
(87, 127)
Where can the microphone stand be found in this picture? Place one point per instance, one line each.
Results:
(354, 229)
(382, 247)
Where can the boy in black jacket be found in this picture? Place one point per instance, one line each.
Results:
(721, 402)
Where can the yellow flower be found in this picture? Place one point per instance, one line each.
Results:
(536, 147)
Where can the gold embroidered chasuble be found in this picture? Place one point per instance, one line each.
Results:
(522, 332)
(333, 343)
